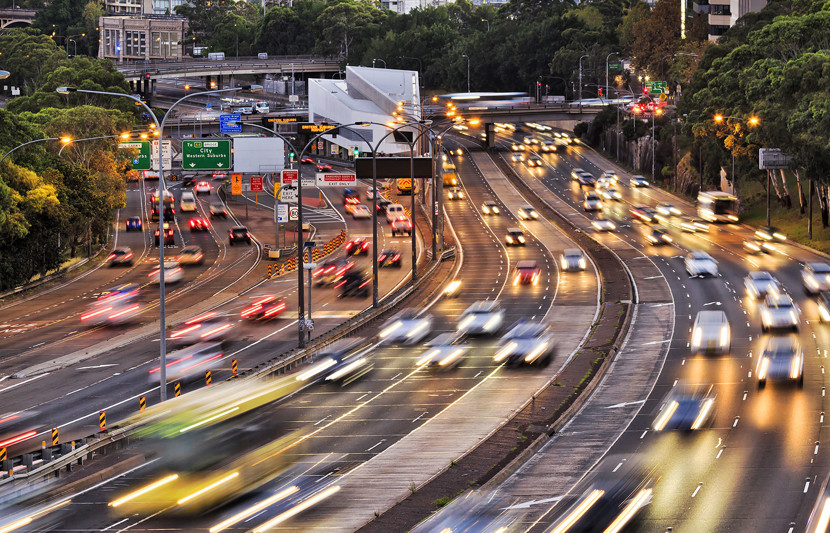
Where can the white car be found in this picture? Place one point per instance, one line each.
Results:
(610, 194)
(781, 359)
(190, 363)
(190, 255)
(394, 211)
(113, 311)
(202, 187)
(668, 210)
(701, 264)
(611, 175)
(407, 327)
(779, 312)
(711, 333)
(815, 277)
(693, 225)
(603, 182)
(172, 273)
(526, 343)
(576, 173)
(759, 283)
(603, 224)
(370, 193)
(592, 202)
(208, 327)
(484, 317)
(455, 194)
(639, 181)
(361, 211)
(444, 351)
(490, 208)
(187, 202)
(528, 212)
(572, 260)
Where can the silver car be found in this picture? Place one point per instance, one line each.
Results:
(701, 264)
(779, 312)
(816, 277)
(526, 343)
(592, 202)
(406, 327)
(782, 360)
(444, 351)
(759, 283)
(572, 260)
(484, 317)
(711, 333)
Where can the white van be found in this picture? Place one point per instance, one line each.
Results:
(394, 211)
(188, 202)
(262, 108)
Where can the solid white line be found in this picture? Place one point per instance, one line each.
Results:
(115, 524)
(696, 491)
(24, 382)
(375, 446)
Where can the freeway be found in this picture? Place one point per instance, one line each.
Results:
(381, 416)
(759, 463)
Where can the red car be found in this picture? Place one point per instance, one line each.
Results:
(526, 272)
(264, 308)
(198, 224)
(307, 161)
(323, 167)
(357, 246)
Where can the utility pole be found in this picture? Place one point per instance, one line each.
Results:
(580, 82)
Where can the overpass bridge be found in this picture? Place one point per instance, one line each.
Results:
(16, 17)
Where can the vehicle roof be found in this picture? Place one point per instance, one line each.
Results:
(192, 248)
(760, 275)
(490, 202)
(515, 230)
(239, 228)
(483, 306)
(527, 206)
(819, 267)
(444, 339)
(572, 251)
(711, 317)
(526, 329)
(781, 346)
(341, 346)
(526, 263)
(122, 250)
(700, 255)
(779, 300)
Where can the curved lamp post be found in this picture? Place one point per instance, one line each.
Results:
(64, 140)
(162, 188)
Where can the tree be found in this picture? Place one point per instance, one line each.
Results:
(29, 57)
(340, 24)
(636, 13)
(657, 36)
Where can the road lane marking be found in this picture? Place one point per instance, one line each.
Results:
(24, 382)
(376, 445)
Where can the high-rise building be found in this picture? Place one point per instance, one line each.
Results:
(723, 14)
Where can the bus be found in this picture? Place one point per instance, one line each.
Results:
(448, 174)
(717, 206)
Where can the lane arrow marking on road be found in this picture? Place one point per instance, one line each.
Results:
(526, 505)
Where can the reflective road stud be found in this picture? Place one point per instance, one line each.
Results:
(54, 436)
(177, 388)
(233, 367)
(102, 420)
(207, 377)
(142, 403)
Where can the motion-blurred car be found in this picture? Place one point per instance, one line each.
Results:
(190, 255)
(711, 333)
(452, 288)
(602, 182)
(342, 361)
(528, 212)
(382, 204)
(331, 271)
(172, 273)
(370, 193)
(781, 360)
(644, 214)
(455, 193)
(358, 246)
(239, 234)
(127, 291)
(218, 209)
(823, 303)
(778, 311)
(586, 179)
(700, 264)
(657, 235)
(548, 147)
(133, 224)
(611, 175)
(307, 160)
(685, 408)
(576, 172)
(407, 327)
(527, 272)
(360, 211)
(517, 158)
(350, 196)
(754, 246)
(401, 226)
(199, 224)
(443, 352)
(323, 167)
(484, 317)
(515, 237)
(518, 147)
(490, 208)
(393, 211)
(639, 181)
(603, 224)
(693, 225)
(389, 258)
(111, 311)
(573, 260)
(592, 202)
(610, 194)
(190, 363)
(667, 209)
(770, 233)
(526, 343)
(188, 180)
(169, 238)
(187, 203)
(203, 187)
(264, 307)
(354, 283)
(122, 256)
(208, 327)
(815, 277)
(534, 162)
(17, 427)
(760, 283)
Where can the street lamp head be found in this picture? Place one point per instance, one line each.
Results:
(66, 139)
(718, 118)
(362, 123)
(754, 121)
(4, 74)
(125, 135)
(66, 90)
(434, 98)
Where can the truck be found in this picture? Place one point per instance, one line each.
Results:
(262, 108)
(448, 174)
(404, 186)
(216, 56)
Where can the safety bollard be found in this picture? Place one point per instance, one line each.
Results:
(54, 436)
(270, 273)
(102, 420)
(233, 367)
(177, 389)
(207, 377)
(2, 454)
(142, 402)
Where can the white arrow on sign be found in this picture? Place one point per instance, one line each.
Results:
(526, 505)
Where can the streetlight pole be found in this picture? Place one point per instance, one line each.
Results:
(606, 71)
(488, 24)
(420, 68)
(580, 81)
(162, 189)
(468, 70)
(378, 59)
(64, 140)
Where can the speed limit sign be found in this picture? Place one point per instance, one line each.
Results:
(293, 213)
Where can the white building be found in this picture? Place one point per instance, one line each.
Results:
(723, 14)
(405, 6)
(367, 95)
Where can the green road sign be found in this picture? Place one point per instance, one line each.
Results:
(615, 65)
(206, 155)
(142, 160)
(656, 87)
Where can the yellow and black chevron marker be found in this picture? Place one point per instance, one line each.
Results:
(233, 367)
(102, 420)
(207, 377)
(54, 436)
(3, 454)
(177, 389)
(142, 402)
(269, 272)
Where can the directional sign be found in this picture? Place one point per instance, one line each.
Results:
(288, 176)
(282, 213)
(236, 183)
(288, 193)
(230, 123)
(656, 87)
(293, 213)
(256, 183)
(206, 155)
(329, 179)
(142, 160)
(166, 154)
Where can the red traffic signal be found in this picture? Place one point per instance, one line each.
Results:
(645, 90)
(599, 91)
(147, 76)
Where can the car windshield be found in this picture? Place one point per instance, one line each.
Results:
(821, 268)
(781, 304)
(239, 231)
(761, 276)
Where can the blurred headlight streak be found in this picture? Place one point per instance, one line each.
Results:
(703, 415)
(451, 357)
(144, 490)
(391, 329)
(314, 500)
(208, 488)
(641, 499)
(346, 370)
(17, 524)
(210, 419)
(250, 511)
(317, 369)
(664, 417)
(580, 510)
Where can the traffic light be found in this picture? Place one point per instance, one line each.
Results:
(599, 91)
(356, 151)
(645, 90)
(292, 155)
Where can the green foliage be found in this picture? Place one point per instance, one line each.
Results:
(29, 57)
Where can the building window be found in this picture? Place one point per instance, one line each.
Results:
(720, 9)
(136, 45)
(717, 30)
(165, 44)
